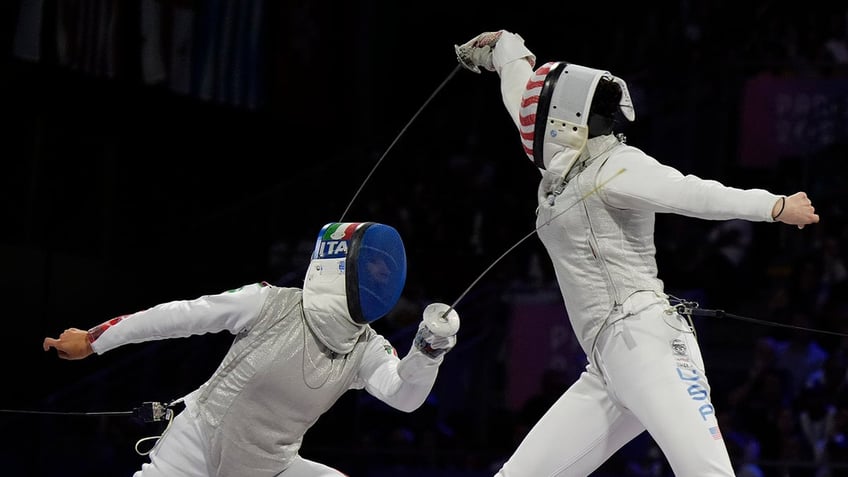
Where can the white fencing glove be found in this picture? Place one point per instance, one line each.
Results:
(437, 331)
(476, 53)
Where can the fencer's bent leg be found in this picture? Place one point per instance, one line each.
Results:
(180, 452)
(653, 364)
(576, 435)
(301, 467)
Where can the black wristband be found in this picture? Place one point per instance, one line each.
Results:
(782, 206)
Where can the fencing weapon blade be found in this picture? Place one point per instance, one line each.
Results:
(361, 186)
(581, 199)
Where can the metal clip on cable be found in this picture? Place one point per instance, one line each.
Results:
(692, 308)
(681, 306)
(151, 411)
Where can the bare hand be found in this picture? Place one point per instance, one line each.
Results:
(72, 344)
(797, 210)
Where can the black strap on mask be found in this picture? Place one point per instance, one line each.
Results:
(542, 110)
(352, 274)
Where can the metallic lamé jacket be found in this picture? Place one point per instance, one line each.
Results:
(258, 383)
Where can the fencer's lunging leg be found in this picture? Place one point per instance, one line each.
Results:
(577, 434)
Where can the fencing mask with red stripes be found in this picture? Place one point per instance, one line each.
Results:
(556, 115)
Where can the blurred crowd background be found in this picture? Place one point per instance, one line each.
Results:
(161, 150)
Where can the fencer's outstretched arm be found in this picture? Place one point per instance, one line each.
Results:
(232, 311)
(405, 383)
(647, 184)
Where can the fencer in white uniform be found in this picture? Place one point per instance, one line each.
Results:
(295, 352)
(597, 201)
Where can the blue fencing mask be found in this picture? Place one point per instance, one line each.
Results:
(364, 261)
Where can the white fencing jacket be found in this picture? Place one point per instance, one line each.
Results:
(277, 378)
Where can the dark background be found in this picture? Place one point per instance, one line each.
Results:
(140, 169)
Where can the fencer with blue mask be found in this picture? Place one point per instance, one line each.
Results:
(597, 201)
(295, 352)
